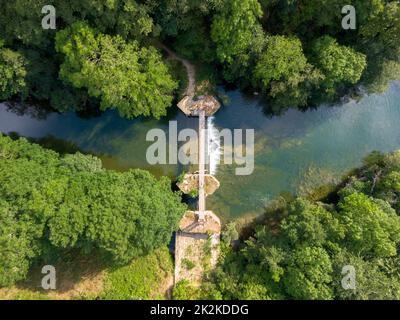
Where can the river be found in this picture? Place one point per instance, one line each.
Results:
(291, 150)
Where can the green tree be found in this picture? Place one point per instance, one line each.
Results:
(16, 246)
(376, 279)
(184, 290)
(283, 71)
(230, 233)
(310, 224)
(72, 202)
(309, 274)
(340, 65)
(387, 72)
(142, 279)
(373, 228)
(185, 25)
(382, 32)
(21, 28)
(233, 28)
(21, 22)
(134, 80)
(238, 36)
(12, 73)
(22, 19)
(43, 84)
(302, 257)
(128, 18)
(310, 18)
(380, 38)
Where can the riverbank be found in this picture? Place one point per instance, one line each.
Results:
(329, 139)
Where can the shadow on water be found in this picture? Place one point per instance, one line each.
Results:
(291, 152)
(24, 109)
(50, 142)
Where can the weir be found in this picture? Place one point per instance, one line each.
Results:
(213, 146)
(202, 138)
(197, 239)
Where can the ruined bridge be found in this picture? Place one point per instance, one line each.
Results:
(197, 239)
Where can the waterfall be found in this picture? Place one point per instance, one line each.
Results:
(213, 146)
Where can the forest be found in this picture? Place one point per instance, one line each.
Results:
(107, 54)
(52, 204)
(49, 203)
(103, 54)
(354, 223)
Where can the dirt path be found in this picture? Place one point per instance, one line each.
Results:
(190, 70)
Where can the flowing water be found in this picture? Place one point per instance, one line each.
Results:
(291, 150)
(213, 146)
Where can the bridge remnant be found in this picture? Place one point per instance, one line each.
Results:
(192, 108)
(197, 240)
(196, 246)
(190, 182)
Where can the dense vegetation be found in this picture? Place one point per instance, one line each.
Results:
(50, 202)
(302, 257)
(103, 52)
(88, 277)
(145, 278)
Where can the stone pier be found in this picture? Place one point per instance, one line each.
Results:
(197, 240)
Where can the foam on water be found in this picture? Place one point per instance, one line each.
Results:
(213, 146)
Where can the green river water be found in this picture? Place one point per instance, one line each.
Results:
(291, 148)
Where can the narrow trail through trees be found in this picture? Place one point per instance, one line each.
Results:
(190, 70)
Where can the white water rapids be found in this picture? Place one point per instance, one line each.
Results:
(213, 146)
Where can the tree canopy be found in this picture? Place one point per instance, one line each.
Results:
(339, 64)
(134, 80)
(12, 72)
(303, 257)
(50, 201)
(233, 28)
(284, 72)
(231, 41)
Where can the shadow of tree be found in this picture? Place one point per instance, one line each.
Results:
(77, 274)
